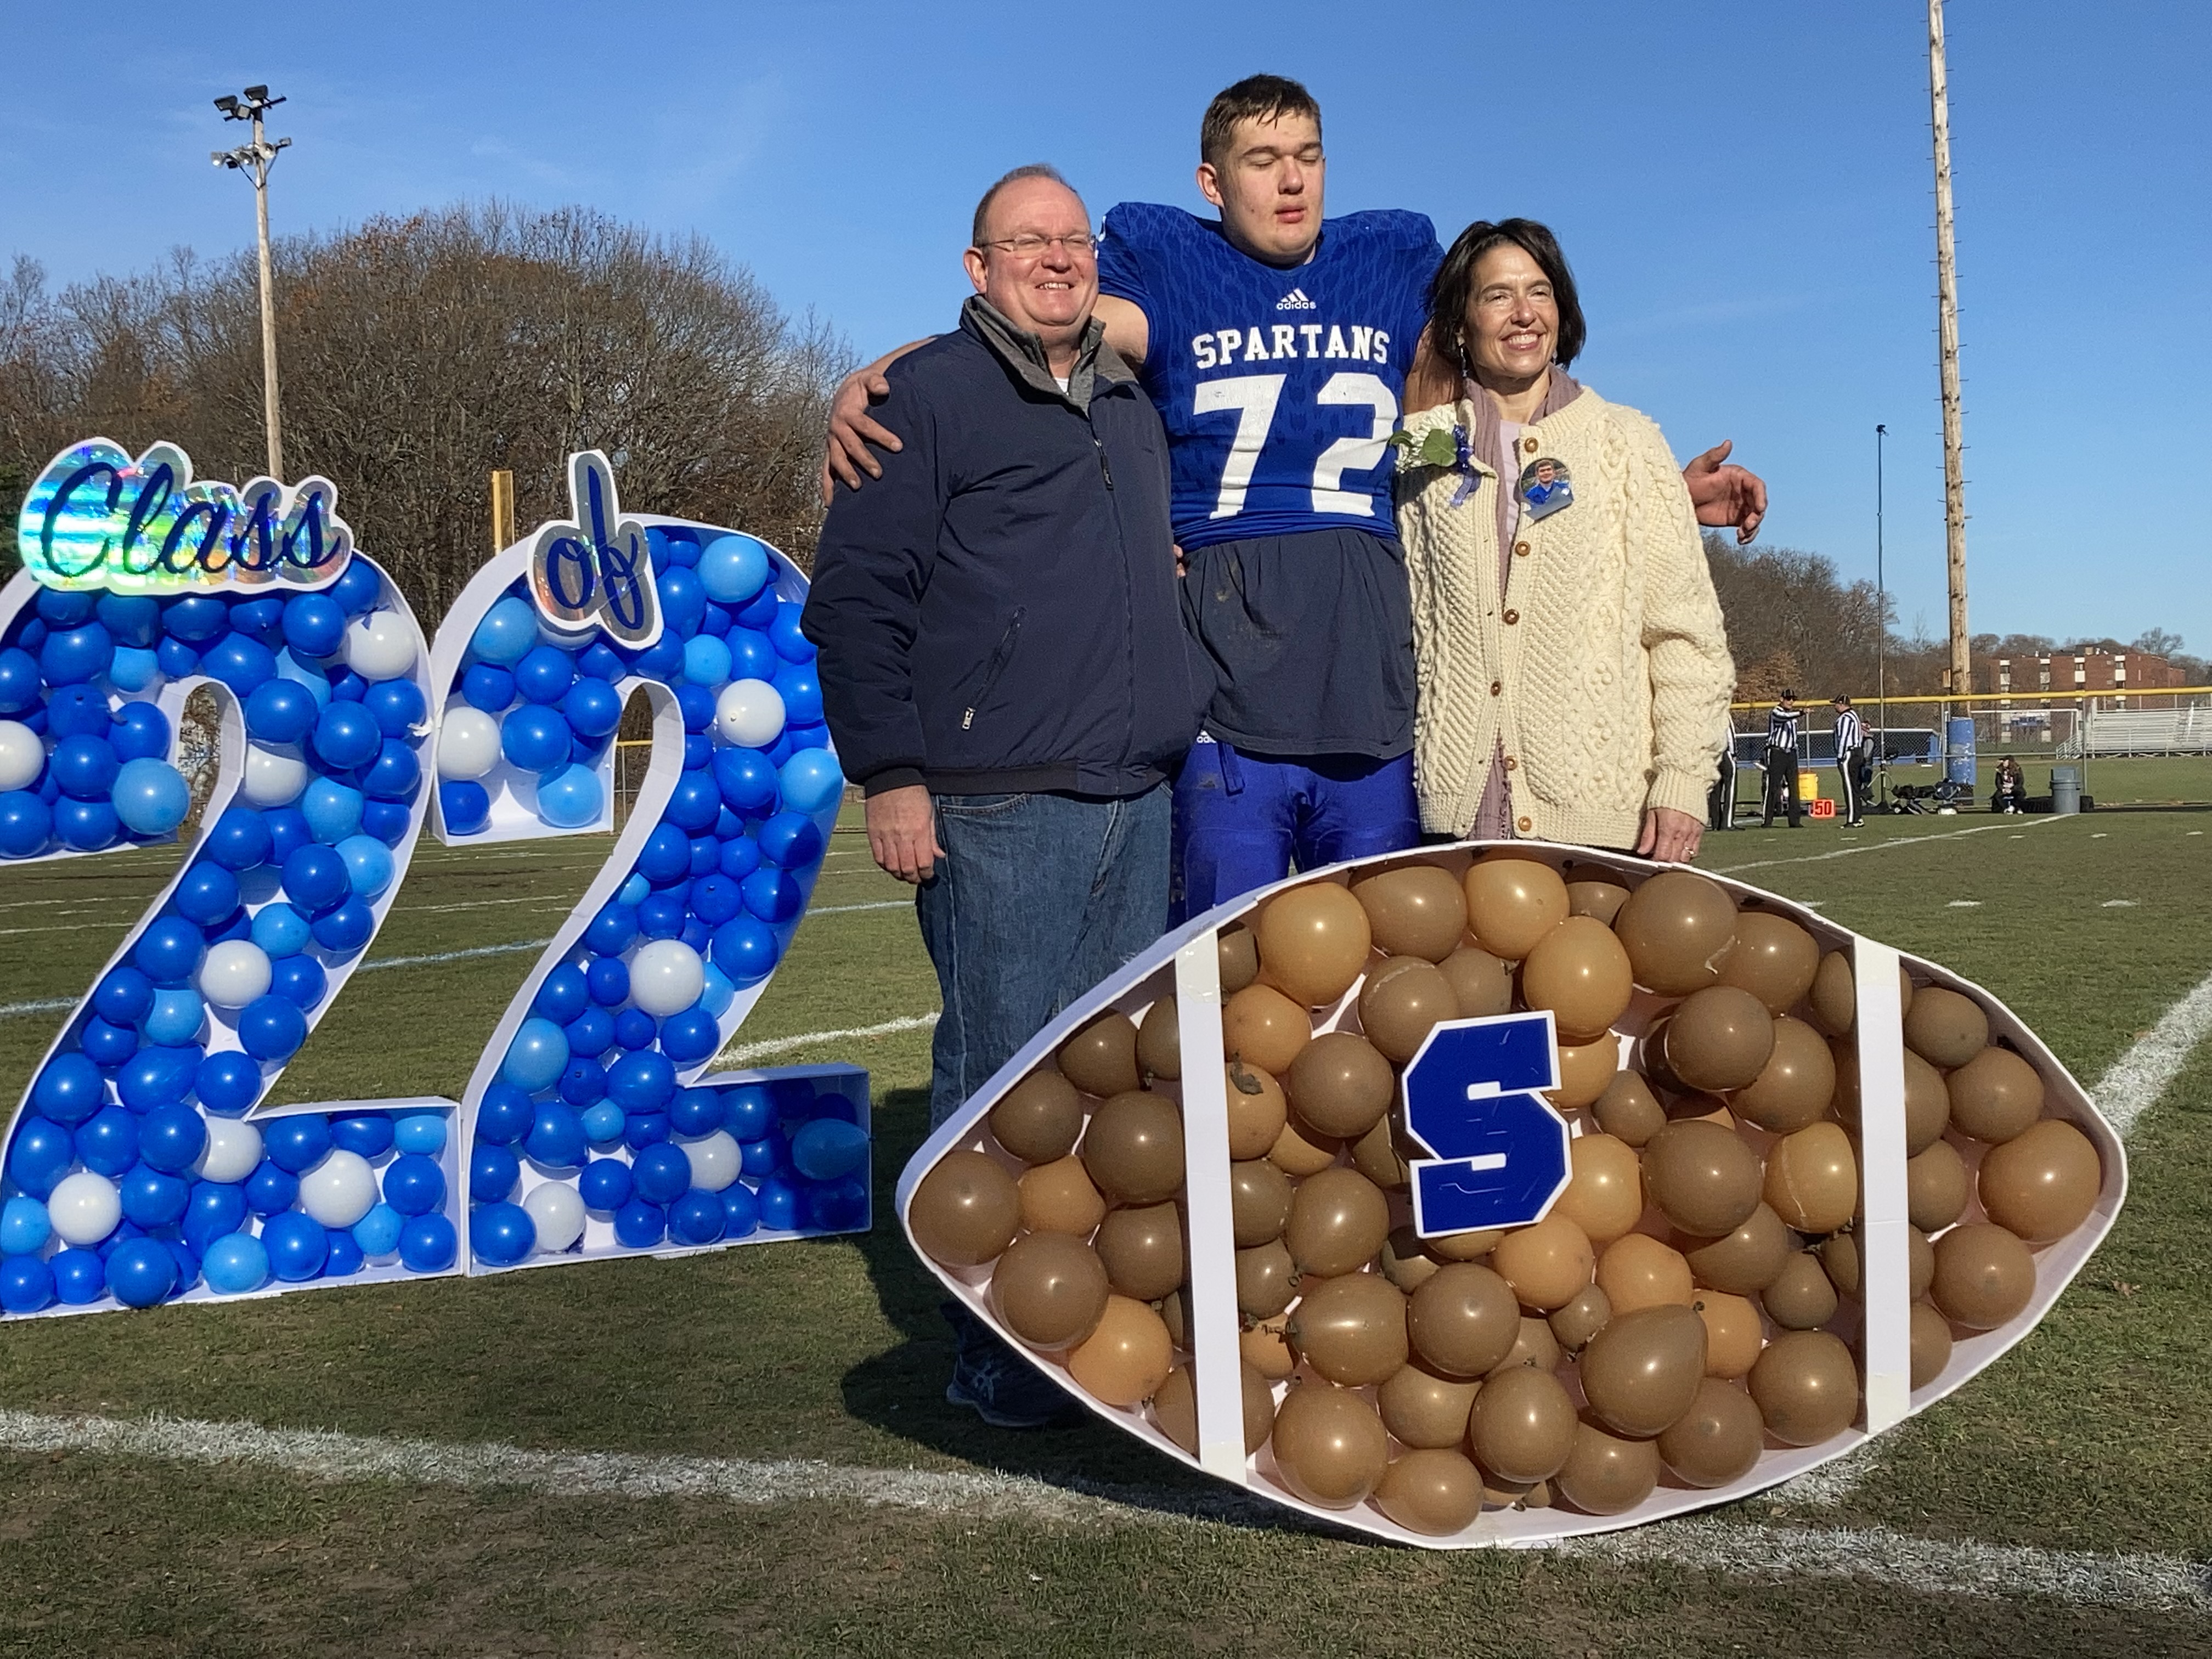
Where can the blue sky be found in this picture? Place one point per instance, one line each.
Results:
(1744, 190)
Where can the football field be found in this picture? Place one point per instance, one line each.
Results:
(749, 1451)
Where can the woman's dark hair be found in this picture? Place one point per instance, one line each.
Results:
(1454, 284)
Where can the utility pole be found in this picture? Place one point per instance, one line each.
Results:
(1881, 640)
(1947, 314)
(255, 160)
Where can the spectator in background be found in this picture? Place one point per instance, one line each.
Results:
(1784, 721)
(1851, 739)
(2011, 795)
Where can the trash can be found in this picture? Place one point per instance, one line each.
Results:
(2065, 789)
(1958, 750)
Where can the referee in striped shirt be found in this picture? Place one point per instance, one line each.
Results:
(1850, 734)
(1782, 723)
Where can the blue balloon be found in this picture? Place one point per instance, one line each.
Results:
(263, 619)
(332, 810)
(388, 821)
(74, 711)
(690, 1035)
(280, 711)
(696, 1111)
(27, 1285)
(760, 610)
(414, 1184)
(791, 644)
(758, 1158)
(608, 978)
(234, 1263)
(227, 1083)
(706, 661)
(492, 1171)
(132, 619)
(666, 856)
(345, 735)
(141, 1272)
(20, 682)
(633, 1029)
(537, 1056)
(661, 1172)
(346, 686)
(195, 618)
(26, 824)
(272, 1027)
(696, 1217)
(604, 1123)
(535, 738)
(592, 1032)
(716, 993)
(640, 1226)
(732, 569)
(24, 1226)
(751, 656)
(287, 833)
(465, 806)
(502, 1233)
(505, 1115)
(377, 1232)
(73, 655)
(345, 1255)
(242, 663)
(395, 773)
(601, 662)
(508, 633)
(811, 781)
(693, 806)
(177, 1017)
(571, 797)
(398, 707)
(214, 1208)
(801, 693)
(792, 840)
(157, 1076)
(557, 1136)
(369, 864)
(696, 703)
(141, 730)
(280, 930)
(123, 996)
(661, 915)
(715, 898)
(745, 949)
(642, 1081)
(428, 1244)
(300, 979)
(643, 1129)
(612, 930)
(86, 825)
(239, 840)
(740, 1211)
(593, 707)
(563, 995)
(106, 1044)
(422, 1133)
(176, 659)
(298, 1143)
(605, 1184)
(153, 1198)
(488, 688)
(828, 1149)
(683, 602)
(544, 674)
(314, 624)
(80, 1276)
(779, 1204)
(747, 1112)
(270, 1190)
(315, 878)
(583, 1084)
(206, 895)
(85, 768)
(772, 894)
(151, 796)
(368, 1133)
(107, 1141)
(747, 781)
(358, 587)
(297, 1246)
(69, 1088)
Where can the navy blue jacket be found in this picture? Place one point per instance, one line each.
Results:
(998, 612)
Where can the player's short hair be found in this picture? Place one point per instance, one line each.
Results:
(1454, 284)
(1255, 98)
(1034, 170)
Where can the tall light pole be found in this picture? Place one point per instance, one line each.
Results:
(1881, 640)
(1947, 324)
(255, 160)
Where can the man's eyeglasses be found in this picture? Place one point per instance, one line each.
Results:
(1080, 244)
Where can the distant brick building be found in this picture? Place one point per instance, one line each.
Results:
(2126, 674)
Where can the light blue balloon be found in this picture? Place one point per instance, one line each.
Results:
(420, 1132)
(377, 1232)
(280, 930)
(234, 1263)
(634, 890)
(332, 811)
(507, 633)
(602, 1122)
(134, 669)
(151, 796)
(304, 673)
(706, 660)
(24, 1227)
(536, 1057)
(732, 569)
(811, 781)
(571, 797)
(717, 991)
(369, 864)
(176, 1019)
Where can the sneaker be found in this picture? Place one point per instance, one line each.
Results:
(999, 1385)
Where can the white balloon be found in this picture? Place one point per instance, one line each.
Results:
(233, 973)
(750, 713)
(234, 1148)
(665, 977)
(340, 1190)
(84, 1207)
(468, 743)
(380, 646)
(715, 1160)
(558, 1210)
(22, 756)
(274, 777)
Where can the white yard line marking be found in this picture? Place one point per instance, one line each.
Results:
(847, 909)
(750, 1051)
(449, 956)
(1964, 904)
(2117, 904)
(1869, 847)
(2140, 1076)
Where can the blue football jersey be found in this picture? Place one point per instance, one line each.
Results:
(1278, 386)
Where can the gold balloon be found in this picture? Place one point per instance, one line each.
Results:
(1717, 1440)
(1174, 1409)
(1522, 1425)
(1945, 1027)
(1546, 1264)
(1498, 1494)
(1628, 1111)
(1586, 1071)
(1920, 1272)
(1126, 1359)
(1039, 1119)
(1983, 1275)
(1263, 1028)
(1258, 1108)
(1801, 1296)
(1338, 1220)
(1931, 1344)
(1483, 984)
(1238, 954)
(1300, 1151)
(1049, 1290)
(1351, 1329)
(1433, 1492)
(1378, 1155)
(1579, 971)
(1266, 1279)
(1702, 1176)
(1059, 1197)
(1463, 1319)
(1159, 1040)
(1134, 1148)
(1796, 1084)
(1605, 1191)
(1677, 928)
(1834, 998)
(1340, 1084)
(1101, 1058)
(1774, 959)
(1407, 1260)
(1258, 1201)
(1720, 1038)
(1927, 1103)
(1839, 1260)
(1143, 1250)
(1994, 1095)
(1535, 1349)
(1807, 1387)
(1641, 1372)
(1581, 1319)
(965, 1210)
(1415, 910)
(1600, 897)
(1935, 1187)
(1748, 1259)
(1605, 1475)
(1400, 1003)
(1637, 1271)
(2043, 1182)
(1813, 1179)
(1424, 1410)
(1176, 1317)
(1265, 1345)
(1313, 942)
(1512, 902)
(1472, 1245)
(1733, 1336)
(1330, 1449)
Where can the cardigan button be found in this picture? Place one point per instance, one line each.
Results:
(1496, 688)
(1511, 764)
(1528, 445)
(1512, 616)
(1520, 549)
(1525, 824)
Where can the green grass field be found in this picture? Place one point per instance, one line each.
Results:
(2095, 1435)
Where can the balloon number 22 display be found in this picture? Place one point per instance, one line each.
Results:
(141, 1165)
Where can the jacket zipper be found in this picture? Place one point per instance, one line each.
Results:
(1096, 444)
(996, 665)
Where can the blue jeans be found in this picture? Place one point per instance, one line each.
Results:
(1242, 821)
(1037, 899)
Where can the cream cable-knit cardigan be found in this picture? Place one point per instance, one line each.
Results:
(1603, 669)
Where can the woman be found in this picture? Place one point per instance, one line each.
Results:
(1573, 672)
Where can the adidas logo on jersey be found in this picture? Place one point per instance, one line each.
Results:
(1296, 300)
